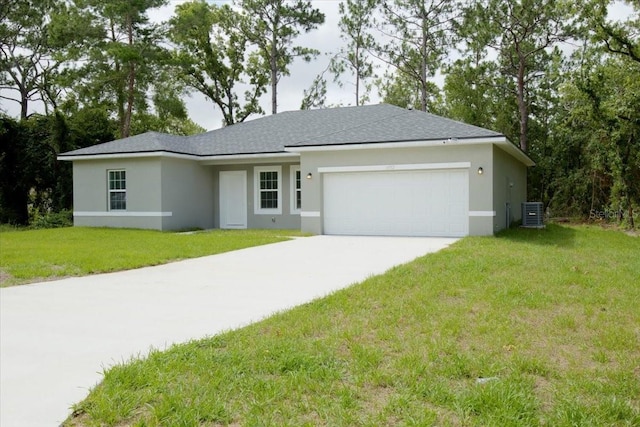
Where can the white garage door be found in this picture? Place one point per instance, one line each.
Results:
(399, 203)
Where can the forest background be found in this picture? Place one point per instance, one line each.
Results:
(561, 79)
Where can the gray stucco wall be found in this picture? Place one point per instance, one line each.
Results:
(168, 194)
(285, 220)
(509, 186)
(187, 190)
(90, 193)
(480, 188)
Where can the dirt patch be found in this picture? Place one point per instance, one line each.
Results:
(4, 278)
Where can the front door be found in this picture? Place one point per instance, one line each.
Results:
(233, 199)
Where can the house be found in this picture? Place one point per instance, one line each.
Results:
(369, 170)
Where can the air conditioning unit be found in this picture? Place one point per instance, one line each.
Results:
(532, 215)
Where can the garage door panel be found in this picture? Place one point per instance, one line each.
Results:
(410, 203)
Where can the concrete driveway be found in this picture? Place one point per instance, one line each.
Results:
(56, 337)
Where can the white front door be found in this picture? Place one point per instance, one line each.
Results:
(233, 199)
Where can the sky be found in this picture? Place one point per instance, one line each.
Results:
(326, 39)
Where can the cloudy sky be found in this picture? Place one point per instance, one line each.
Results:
(290, 89)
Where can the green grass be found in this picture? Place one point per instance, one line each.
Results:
(549, 317)
(33, 255)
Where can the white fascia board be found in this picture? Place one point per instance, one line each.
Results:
(149, 154)
(390, 168)
(405, 144)
(205, 160)
(250, 158)
(516, 152)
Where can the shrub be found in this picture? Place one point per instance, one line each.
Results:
(38, 220)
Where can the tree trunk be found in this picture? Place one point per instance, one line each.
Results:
(24, 104)
(126, 128)
(522, 106)
(423, 65)
(273, 61)
(357, 66)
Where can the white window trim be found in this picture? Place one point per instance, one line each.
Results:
(257, 210)
(109, 190)
(292, 180)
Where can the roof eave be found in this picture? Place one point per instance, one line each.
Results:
(205, 159)
(499, 140)
(131, 155)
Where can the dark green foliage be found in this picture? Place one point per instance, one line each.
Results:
(14, 185)
(213, 58)
(31, 176)
(63, 218)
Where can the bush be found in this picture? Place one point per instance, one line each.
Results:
(64, 218)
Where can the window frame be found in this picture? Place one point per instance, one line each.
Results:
(257, 191)
(111, 191)
(294, 189)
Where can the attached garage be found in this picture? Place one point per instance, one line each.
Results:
(432, 202)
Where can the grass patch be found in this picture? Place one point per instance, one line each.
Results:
(33, 255)
(547, 318)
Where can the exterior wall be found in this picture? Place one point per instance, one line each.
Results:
(285, 220)
(90, 193)
(480, 188)
(170, 194)
(509, 186)
(187, 190)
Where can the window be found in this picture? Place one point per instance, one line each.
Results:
(117, 190)
(267, 189)
(296, 190)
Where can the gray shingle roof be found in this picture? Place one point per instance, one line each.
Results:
(271, 134)
(145, 142)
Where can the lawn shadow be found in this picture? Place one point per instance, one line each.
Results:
(550, 235)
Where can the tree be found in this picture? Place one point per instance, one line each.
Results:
(316, 95)
(272, 26)
(212, 58)
(472, 83)
(522, 32)
(401, 90)
(117, 54)
(355, 20)
(618, 38)
(420, 33)
(472, 94)
(30, 173)
(26, 63)
(14, 182)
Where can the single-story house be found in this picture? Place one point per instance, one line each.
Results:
(369, 170)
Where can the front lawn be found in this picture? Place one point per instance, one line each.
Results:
(33, 255)
(533, 327)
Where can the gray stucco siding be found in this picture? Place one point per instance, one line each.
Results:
(480, 187)
(283, 220)
(187, 190)
(509, 186)
(91, 200)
